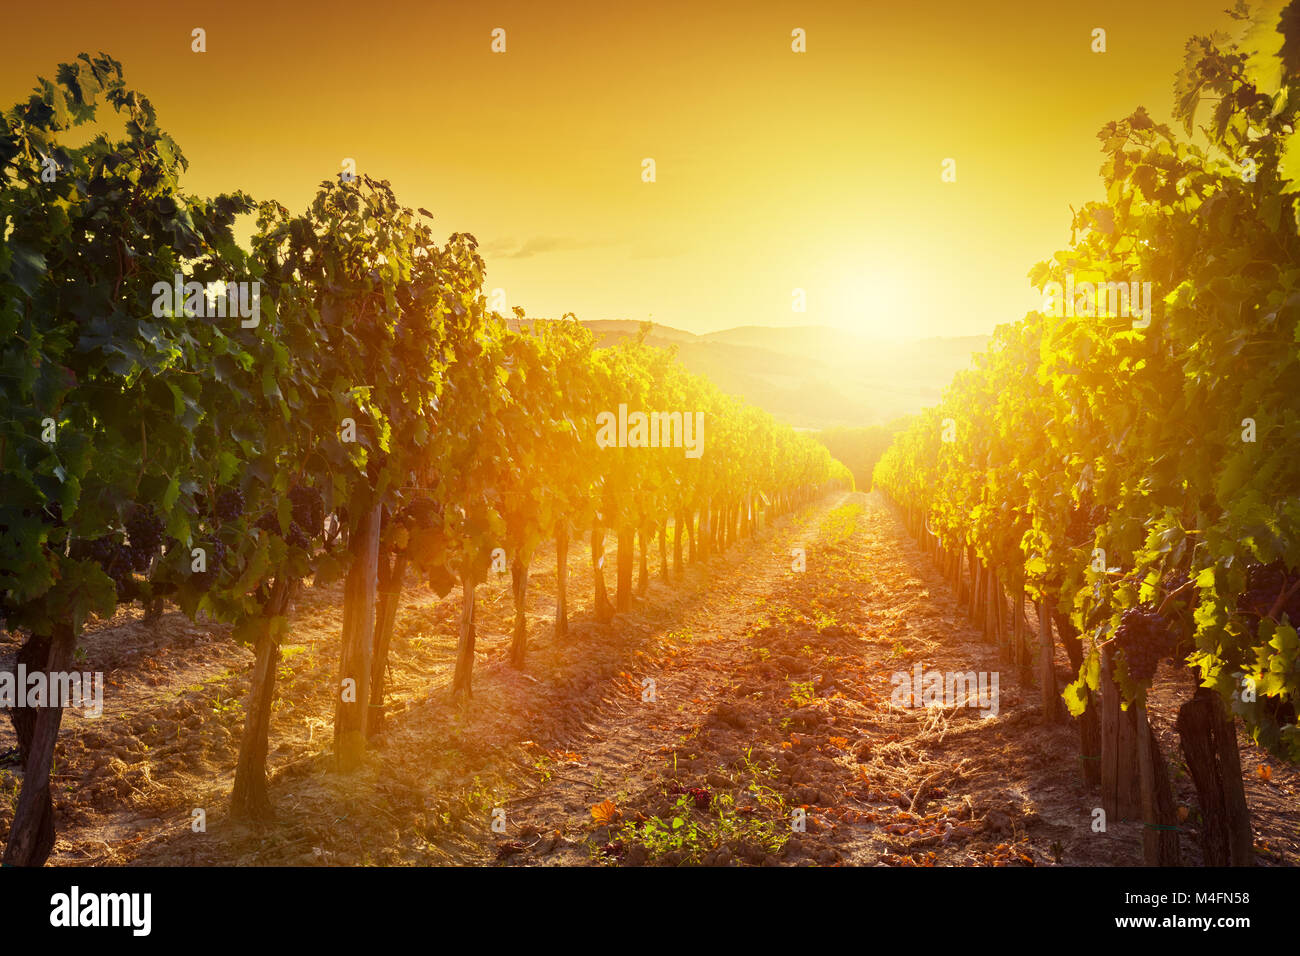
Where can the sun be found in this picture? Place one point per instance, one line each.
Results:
(873, 302)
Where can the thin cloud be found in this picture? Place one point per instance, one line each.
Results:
(536, 246)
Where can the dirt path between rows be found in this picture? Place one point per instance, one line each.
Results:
(741, 714)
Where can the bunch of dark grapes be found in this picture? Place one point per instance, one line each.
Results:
(420, 514)
(308, 510)
(100, 550)
(123, 581)
(1265, 584)
(268, 522)
(139, 558)
(230, 504)
(1145, 638)
(114, 557)
(144, 535)
(297, 537)
(215, 560)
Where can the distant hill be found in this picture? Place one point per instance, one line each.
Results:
(616, 328)
(814, 376)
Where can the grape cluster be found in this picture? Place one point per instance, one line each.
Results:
(144, 535)
(144, 527)
(1145, 638)
(116, 559)
(1265, 583)
(216, 559)
(420, 514)
(308, 510)
(123, 581)
(296, 538)
(139, 558)
(100, 550)
(230, 504)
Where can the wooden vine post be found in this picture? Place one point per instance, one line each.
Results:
(1120, 796)
(1047, 664)
(1160, 823)
(360, 594)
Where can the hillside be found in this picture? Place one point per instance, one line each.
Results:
(814, 376)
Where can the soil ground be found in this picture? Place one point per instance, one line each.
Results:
(740, 715)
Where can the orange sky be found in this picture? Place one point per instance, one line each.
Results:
(775, 170)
